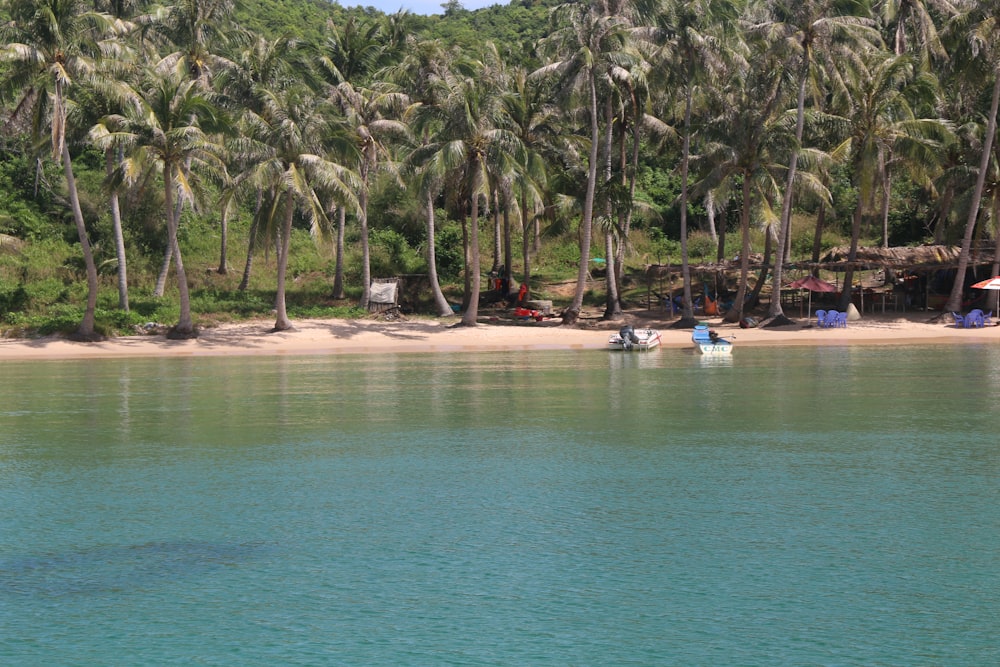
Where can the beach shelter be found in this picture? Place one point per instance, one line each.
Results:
(993, 284)
(813, 284)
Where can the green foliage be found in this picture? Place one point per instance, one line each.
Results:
(392, 255)
(701, 247)
(448, 250)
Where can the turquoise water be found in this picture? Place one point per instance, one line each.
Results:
(834, 506)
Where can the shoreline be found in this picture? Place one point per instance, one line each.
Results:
(371, 336)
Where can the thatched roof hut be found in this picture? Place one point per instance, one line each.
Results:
(928, 257)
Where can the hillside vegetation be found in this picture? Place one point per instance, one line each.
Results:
(207, 160)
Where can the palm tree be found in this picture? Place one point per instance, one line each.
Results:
(914, 17)
(692, 53)
(535, 121)
(745, 137)
(169, 127)
(286, 148)
(188, 27)
(48, 46)
(259, 70)
(980, 26)
(470, 141)
(885, 92)
(372, 114)
(587, 44)
(808, 25)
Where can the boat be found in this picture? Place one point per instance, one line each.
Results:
(707, 341)
(629, 338)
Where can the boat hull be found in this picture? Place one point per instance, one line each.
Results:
(647, 340)
(707, 342)
(715, 348)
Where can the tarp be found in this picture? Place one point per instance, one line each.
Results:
(383, 292)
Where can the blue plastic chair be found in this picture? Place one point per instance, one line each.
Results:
(841, 320)
(987, 322)
(974, 319)
(820, 317)
(959, 320)
(831, 319)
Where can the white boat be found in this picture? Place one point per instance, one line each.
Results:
(709, 342)
(629, 338)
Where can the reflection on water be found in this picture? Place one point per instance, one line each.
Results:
(782, 506)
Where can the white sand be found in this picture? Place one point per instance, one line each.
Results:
(311, 337)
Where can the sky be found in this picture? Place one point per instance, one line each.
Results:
(424, 7)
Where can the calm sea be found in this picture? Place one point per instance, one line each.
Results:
(796, 506)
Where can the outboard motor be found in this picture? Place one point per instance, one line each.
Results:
(627, 334)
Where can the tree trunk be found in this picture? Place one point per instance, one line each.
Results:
(441, 304)
(572, 314)
(687, 314)
(497, 236)
(224, 241)
(508, 255)
(735, 314)
(784, 229)
(366, 263)
(471, 314)
(161, 277)
(526, 227)
(944, 212)
(184, 327)
(955, 299)
(251, 243)
(86, 329)
(886, 192)
(116, 224)
(338, 274)
(281, 322)
(818, 235)
(845, 296)
(612, 304)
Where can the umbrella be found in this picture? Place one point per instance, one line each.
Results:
(991, 283)
(813, 284)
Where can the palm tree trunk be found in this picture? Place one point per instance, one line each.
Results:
(845, 296)
(497, 235)
(161, 277)
(441, 304)
(281, 322)
(184, 327)
(366, 262)
(736, 312)
(86, 329)
(471, 314)
(224, 240)
(687, 315)
(572, 314)
(338, 273)
(612, 304)
(251, 242)
(508, 258)
(955, 299)
(526, 227)
(784, 229)
(818, 235)
(116, 225)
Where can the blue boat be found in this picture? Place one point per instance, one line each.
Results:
(707, 341)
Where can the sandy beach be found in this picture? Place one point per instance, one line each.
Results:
(415, 335)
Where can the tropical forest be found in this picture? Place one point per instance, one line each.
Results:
(192, 162)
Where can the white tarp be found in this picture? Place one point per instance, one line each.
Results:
(383, 292)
